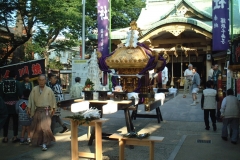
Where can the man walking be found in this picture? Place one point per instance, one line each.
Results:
(188, 74)
(230, 111)
(209, 105)
(41, 106)
(57, 90)
(195, 85)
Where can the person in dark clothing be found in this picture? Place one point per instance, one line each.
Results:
(57, 90)
(1, 86)
(11, 94)
(3, 113)
(25, 84)
(216, 73)
(48, 79)
(209, 104)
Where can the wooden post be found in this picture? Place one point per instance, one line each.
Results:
(98, 138)
(74, 140)
(151, 153)
(121, 149)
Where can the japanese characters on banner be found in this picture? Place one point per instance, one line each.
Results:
(220, 24)
(103, 26)
(31, 68)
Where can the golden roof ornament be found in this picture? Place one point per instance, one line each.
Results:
(129, 55)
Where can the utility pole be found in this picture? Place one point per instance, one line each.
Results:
(83, 29)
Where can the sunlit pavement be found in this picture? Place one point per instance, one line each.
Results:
(181, 127)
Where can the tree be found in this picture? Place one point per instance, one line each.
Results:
(125, 11)
(8, 18)
(53, 17)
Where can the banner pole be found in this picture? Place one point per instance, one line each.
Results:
(83, 29)
(231, 1)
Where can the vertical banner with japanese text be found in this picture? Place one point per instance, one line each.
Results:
(220, 25)
(103, 26)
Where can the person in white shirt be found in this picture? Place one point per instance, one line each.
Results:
(230, 112)
(210, 73)
(76, 89)
(188, 74)
(164, 77)
(209, 104)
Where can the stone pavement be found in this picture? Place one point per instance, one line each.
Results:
(182, 126)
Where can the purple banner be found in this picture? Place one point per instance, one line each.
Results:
(220, 25)
(103, 26)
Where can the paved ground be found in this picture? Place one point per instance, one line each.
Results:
(182, 126)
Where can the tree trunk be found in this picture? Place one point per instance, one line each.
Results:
(46, 56)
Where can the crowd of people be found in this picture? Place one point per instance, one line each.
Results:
(34, 108)
(230, 106)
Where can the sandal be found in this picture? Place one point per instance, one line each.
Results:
(5, 140)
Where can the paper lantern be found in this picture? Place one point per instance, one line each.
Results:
(80, 106)
(110, 108)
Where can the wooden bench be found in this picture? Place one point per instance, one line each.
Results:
(137, 142)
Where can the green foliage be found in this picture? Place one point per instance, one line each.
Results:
(89, 82)
(125, 11)
(30, 49)
(88, 85)
(54, 64)
(80, 118)
(54, 17)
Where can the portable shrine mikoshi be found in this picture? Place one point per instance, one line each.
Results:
(132, 62)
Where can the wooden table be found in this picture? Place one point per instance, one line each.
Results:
(98, 145)
(122, 105)
(151, 105)
(149, 141)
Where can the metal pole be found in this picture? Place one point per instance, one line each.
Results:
(172, 83)
(83, 29)
(230, 56)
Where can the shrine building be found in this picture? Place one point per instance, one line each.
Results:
(181, 31)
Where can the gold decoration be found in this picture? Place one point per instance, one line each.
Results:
(128, 58)
(120, 45)
(155, 54)
(220, 93)
(166, 56)
(220, 77)
(99, 54)
(133, 25)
